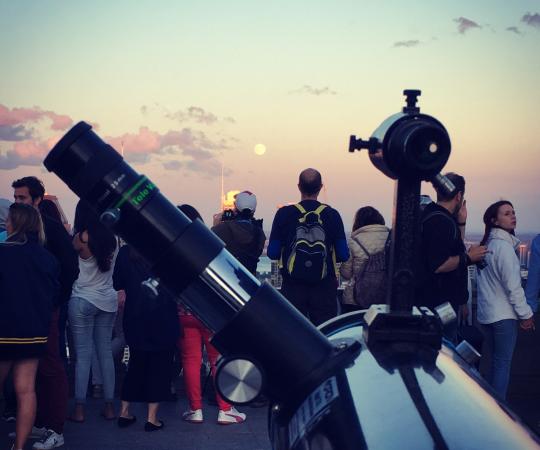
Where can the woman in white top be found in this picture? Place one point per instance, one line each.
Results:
(501, 300)
(92, 310)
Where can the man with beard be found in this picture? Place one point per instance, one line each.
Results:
(444, 258)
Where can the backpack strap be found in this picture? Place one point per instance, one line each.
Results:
(300, 208)
(362, 247)
(305, 213)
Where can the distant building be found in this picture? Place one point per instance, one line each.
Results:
(523, 256)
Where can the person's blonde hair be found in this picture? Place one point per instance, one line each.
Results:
(25, 219)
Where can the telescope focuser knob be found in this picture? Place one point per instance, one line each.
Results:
(412, 97)
(110, 217)
(358, 144)
(150, 286)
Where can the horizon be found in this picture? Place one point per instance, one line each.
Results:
(185, 92)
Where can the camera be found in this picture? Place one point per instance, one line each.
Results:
(227, 215)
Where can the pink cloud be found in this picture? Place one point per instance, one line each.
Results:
(24, 153)
(21, 116)
(145, 141)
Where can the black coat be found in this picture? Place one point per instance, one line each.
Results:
(29, 289)
(150, 324)
(58, 242)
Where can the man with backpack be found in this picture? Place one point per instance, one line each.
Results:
(444, 258)
(308, 239)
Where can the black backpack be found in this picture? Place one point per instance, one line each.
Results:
(308, 252)
(371, 284)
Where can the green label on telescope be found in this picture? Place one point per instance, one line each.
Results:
(138, 193)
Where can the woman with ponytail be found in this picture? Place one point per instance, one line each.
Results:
(501, 300)
(92, 310)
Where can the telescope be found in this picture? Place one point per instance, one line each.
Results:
(382, 379)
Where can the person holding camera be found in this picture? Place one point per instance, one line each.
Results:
(242, 234)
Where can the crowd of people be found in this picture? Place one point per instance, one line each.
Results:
(88, 279)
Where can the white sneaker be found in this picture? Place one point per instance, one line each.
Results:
(50, 440)
(35, 433)
(231, 416)
(193, 416)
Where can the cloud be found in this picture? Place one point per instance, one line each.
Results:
(21, 116)
(465, 25)
(24, 153)
(532, 20)
(307, 89)
(514, 30)
(197, 150)
(194, 114)
(14, 133)
(410, 43)
(172, 165)
(193, 150)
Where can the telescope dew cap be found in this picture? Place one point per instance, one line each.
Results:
(245, 200)
(65, 143)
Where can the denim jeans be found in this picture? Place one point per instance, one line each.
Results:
(501, 339)
(91, 327)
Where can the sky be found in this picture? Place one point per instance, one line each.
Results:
(187, 88)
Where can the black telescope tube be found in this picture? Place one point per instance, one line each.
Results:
(192, 262)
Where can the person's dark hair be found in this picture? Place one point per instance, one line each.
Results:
(490, 216)
(48, 208)
(25, 220)
(102, 243)
(34, 185)
(367, 216)
(458, 181)
(190, 212)
(310, 182)
(84, 217)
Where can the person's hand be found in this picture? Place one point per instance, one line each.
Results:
(217, 219)
(527, 324)
(464, 311)
(477, 252)
(462, 213)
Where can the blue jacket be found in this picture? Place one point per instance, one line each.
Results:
(533, 279)
(29, 286)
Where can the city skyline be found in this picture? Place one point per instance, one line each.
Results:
(262, 92)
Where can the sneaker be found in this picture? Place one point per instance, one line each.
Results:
(193, 416)
(35, 433)
(9, 416)
(231, 416)
(50, 440)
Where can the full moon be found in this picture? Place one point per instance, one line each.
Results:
(260, 149)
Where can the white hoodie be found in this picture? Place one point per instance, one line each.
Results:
(500, 295)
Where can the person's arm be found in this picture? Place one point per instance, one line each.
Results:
(119, 275)
(58, 242)
(437, 242)
(346, 269)
(532, 289)
(262, 240)
(509, 272)
(276, 240)
(340, 241)
(221, 230)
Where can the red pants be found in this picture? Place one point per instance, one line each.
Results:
(194, 335)
(52, 383)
